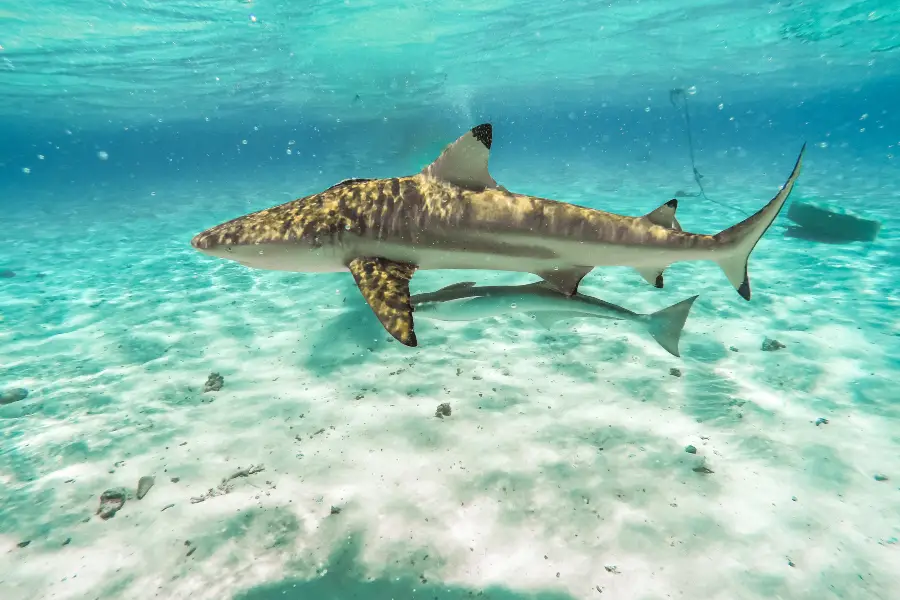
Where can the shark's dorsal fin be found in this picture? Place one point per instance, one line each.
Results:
(385, 286)
(664, 216)
(465, 161)
(457, 286)
(565, 280)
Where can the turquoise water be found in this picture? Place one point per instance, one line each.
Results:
(564, 470)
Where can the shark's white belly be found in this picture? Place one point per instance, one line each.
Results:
(521, 254)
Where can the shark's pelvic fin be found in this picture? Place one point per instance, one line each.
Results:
(385, 286)
(565, 280)
(664, 216)
(465, 161)
(652, 276)
(739, 240)
(456, 286)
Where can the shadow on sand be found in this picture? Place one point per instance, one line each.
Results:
(343, 582)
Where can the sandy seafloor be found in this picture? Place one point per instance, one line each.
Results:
(562, 471)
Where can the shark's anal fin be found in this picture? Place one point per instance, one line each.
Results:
(465, 161)
(652, 276)
(565, 280)
(385, 286)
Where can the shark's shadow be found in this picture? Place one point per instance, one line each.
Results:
(342, 581)
(350, 335)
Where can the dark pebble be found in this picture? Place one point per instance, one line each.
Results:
(769, 345)
(13, 395)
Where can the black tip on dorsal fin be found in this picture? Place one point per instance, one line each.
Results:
(484, 133)
(673, 203)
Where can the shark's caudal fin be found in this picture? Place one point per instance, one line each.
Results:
(664, 216)
(665, 325)
(739, 240)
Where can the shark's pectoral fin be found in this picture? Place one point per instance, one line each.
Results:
(565, 280)
(664, 216)
(653, 276)
(465, 161)
(385, 286)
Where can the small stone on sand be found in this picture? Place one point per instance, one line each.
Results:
(144, 484)
(443, 410)
(23, 544)
(13, 395)
(880, 477)
(111, 502)
(213, 383)
(821, 421)
(690, 449)
(770, 345)
(675, 372)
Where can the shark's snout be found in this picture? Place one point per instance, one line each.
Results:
(201, 241)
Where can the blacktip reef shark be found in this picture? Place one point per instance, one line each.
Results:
(453, 215)
(466, 301)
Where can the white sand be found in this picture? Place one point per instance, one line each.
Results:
(561, 472)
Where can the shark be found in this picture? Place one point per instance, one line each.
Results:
(466, 301)
(453, 215)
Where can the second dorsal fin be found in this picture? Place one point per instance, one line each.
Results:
(465, 161)
(664, 216)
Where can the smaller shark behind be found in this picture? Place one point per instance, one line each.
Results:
(467, 302)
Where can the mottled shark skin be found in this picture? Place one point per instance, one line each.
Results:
(466, 301)
(453, 215)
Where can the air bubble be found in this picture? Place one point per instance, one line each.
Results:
(244, 142)
(721, 106)
(692, 90)
(26, 170)
(513, 305)
(102, 155)
(288, 151)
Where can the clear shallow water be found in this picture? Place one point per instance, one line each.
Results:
(565, 451)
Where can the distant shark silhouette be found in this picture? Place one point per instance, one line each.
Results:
(466, 301)
(453, 215)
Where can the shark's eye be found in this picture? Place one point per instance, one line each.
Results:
(228, 249)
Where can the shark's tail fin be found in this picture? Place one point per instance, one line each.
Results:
(665, 325)
(738, 241)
